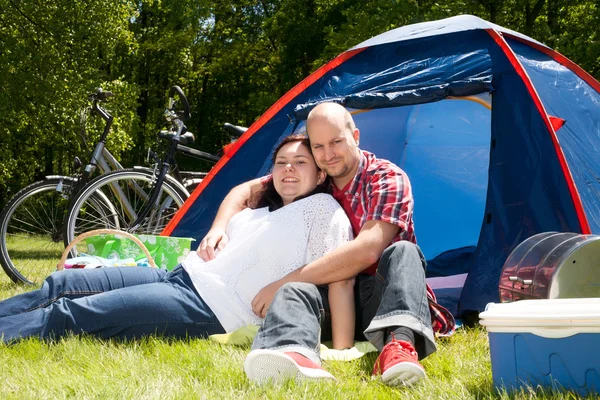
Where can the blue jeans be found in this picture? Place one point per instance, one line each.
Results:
(128, 302)
(298, 317)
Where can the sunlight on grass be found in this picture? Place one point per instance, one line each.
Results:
(34, 256)
(156, 368)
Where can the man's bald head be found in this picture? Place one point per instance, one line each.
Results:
(334, 141)
(332, 113)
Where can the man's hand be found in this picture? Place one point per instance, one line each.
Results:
(263, 299)
(215, 239)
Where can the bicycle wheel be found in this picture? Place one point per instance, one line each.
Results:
(125, 193)
(31, 229)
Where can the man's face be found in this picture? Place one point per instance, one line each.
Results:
(334, 147)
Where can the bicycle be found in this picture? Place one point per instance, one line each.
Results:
(32, 222)
(141, 201)
(31, 228)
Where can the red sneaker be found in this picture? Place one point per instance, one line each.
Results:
(262, 366)
(398, 364)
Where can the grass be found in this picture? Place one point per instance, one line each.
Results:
(156, 368)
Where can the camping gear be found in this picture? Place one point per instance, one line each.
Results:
(552, 265)
(167, 251)
(137, 242)
(473, 112)
(551, 343)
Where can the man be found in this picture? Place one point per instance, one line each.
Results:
(392, 303)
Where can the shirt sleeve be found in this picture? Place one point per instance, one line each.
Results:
(390, 197)
(330, 229)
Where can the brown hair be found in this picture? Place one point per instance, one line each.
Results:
(268, 196)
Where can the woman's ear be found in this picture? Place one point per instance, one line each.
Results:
(320, 177)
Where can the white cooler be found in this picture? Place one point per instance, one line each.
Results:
(551, 343)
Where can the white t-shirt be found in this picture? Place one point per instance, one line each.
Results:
(264, 247)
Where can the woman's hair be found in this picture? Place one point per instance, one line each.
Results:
(268, 196)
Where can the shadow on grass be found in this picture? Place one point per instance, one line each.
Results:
(35, 255)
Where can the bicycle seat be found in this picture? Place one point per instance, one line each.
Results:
(186, 138)
(234, 130)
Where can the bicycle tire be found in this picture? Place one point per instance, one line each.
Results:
(31, 229)
(136, 184)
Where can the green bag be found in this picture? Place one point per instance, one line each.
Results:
(166, 251)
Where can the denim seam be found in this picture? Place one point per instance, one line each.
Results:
(381, 279)
(61, 295)
(128, 324)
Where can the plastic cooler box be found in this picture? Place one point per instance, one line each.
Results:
(549, 343)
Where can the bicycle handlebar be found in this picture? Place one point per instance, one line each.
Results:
(100, 95)
(186, 107)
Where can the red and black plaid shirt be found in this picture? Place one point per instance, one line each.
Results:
(380, 191)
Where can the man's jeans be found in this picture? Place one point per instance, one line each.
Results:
(395, 296)
(128, 302)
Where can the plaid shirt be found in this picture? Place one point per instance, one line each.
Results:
(381, 191)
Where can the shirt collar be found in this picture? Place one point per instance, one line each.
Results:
(354, 184)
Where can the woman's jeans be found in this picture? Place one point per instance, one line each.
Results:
(127, 302)
(395, 297)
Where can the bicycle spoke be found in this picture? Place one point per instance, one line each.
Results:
(31, 231)
(127, 193)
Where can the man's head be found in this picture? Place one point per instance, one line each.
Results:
(334, 141)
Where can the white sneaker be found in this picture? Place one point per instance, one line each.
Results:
(262, 366)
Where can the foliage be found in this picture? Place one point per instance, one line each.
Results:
(233, 59)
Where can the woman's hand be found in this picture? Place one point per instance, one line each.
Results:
(215, 239)
(264, 297)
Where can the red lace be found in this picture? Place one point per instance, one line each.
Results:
(394, 352)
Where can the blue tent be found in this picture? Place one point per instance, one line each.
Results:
(498, 133)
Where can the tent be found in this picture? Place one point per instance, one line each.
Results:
(498, 133)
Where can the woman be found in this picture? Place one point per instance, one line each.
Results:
(195, 299)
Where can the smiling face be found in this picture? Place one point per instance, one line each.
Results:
(295, 173)
(334, 142)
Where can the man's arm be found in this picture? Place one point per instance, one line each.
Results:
(344, 262)
(349, 259)
(235, 201)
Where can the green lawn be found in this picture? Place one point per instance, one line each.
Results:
(179, 369)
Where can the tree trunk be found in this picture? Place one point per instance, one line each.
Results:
(531, 15)
(553, 22)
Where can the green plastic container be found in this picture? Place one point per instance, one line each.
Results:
(167, 251)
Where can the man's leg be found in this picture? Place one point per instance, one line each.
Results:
(78, 283)
(394, 302)
(287, 345)
(167, 308)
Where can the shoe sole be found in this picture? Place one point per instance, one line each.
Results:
(263, 366)
(403, 374)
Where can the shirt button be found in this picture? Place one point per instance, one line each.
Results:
(355, 194)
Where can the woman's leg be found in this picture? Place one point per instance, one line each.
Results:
(78, 283)
(168, 308)
(341, 307)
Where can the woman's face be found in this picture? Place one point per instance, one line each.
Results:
(295, 172)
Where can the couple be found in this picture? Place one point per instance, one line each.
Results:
(294, 259)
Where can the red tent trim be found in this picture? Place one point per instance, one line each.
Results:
(270, 113)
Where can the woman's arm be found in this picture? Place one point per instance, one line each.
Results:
(235, 201)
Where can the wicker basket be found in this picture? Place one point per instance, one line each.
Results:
(85, 235)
